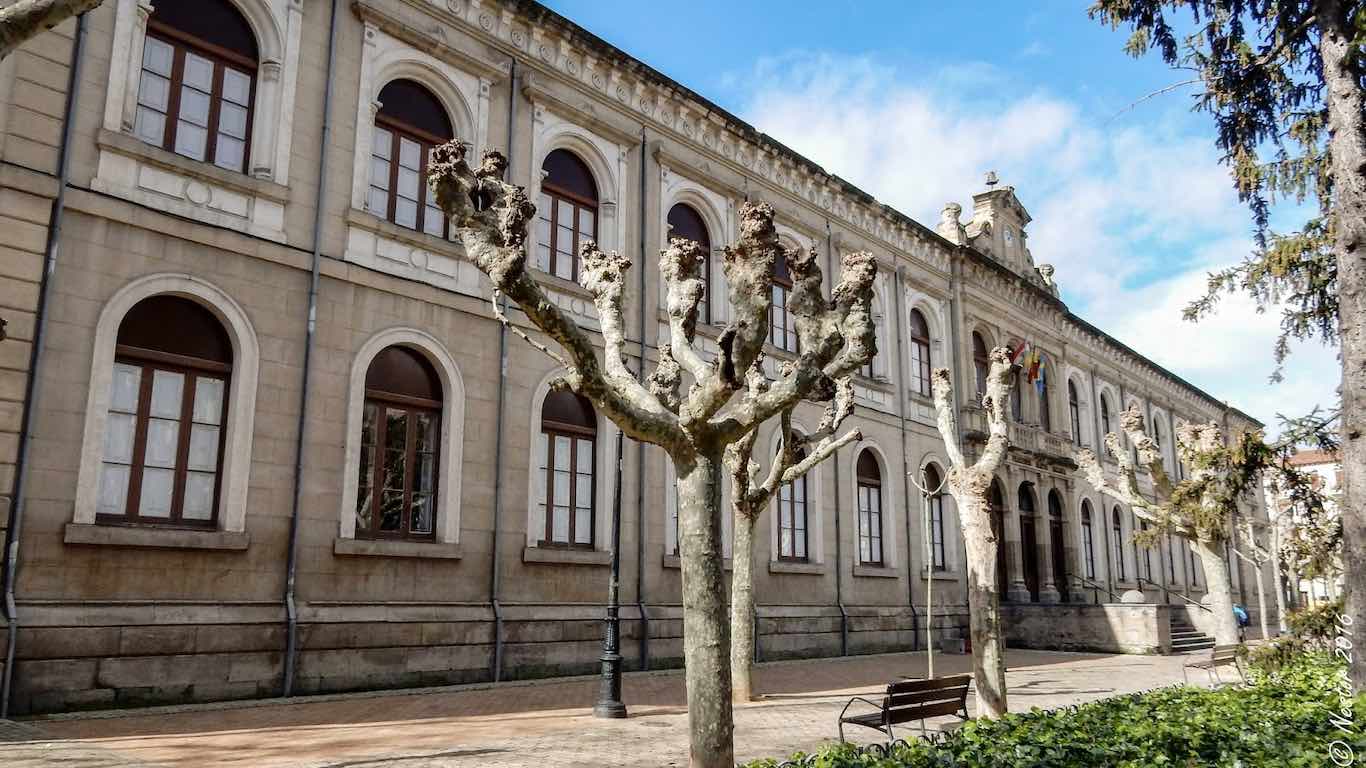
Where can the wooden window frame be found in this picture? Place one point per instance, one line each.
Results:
(981, 364)
(552, 429)
(577, 203)
(149, 361)
(399, 130)
(1045, 408)
(792, 556)
(776, 310)
(938, 549)
(412, 406)
(1088, 536)
(1119, 543)
(865, 532)
(920, 346)
(1074, 410)
(181, 42)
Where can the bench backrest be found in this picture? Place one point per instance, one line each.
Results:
(1222, 653)
(917, 699)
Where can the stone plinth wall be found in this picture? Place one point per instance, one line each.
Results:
(1110, 627)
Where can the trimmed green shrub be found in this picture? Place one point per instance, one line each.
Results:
(1311, 629)
(1284, 719)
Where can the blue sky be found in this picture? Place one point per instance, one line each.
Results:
(915, 101)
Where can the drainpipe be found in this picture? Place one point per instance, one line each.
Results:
(292, 561)
(495, 573)
(905, 464)
(839, 539)
(54, 229)
(640, 447)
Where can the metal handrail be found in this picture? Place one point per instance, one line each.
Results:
(1201, 606)
(1093, 585)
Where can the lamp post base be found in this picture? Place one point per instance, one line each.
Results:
(609, 692)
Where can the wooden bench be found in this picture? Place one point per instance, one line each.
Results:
(910, 700)
(1219, 656)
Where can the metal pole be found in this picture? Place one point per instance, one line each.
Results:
(609, 691)
(929, 573)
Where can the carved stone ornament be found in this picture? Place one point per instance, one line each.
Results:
(950, 227)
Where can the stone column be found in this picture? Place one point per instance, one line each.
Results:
(1017, 591)
(1071, 535)
(1043, 536)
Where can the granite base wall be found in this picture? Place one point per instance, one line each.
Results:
(1143, 628)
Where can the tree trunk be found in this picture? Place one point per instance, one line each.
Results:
(706, 631)
(1261, 600)
(984, 606)
(1347, 145)
(1220, 588)
(1277, 578)
(742, 610)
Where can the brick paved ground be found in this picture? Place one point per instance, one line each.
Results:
(545, 724)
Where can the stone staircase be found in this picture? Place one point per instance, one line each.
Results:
(1186, 638)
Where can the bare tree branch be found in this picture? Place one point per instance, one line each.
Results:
(27, 18)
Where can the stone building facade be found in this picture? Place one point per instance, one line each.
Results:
(190, 175)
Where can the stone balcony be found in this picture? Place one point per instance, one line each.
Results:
(1024, 437)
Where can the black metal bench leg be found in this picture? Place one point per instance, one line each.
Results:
(841, 731)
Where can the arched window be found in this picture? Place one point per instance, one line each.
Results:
(1074, 410)
(1147, 553)
(920, 354)
(869, 509)
(1045, 411)
(1088, 540)
(792, 536)
(198, 81)
(400, 446)
(1057, 546)
(997, 503)
(782, 329)
(567, 216)
(1119, 543)
(410, 123)
(938, 550)
(1017, 393)
(981, 363)
(163, 447)
(1029, 541)
(569, 429)
(686, 222)
(1104, 414)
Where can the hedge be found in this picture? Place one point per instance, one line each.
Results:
(1283, 718)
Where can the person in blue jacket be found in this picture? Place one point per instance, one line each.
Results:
(1240, 614)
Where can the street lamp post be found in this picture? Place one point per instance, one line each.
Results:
(609, 690)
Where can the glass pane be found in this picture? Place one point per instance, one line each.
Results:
(232, 120)
(560, 491)
(421, 513)
(150, 126)
(366, 472)
(382, 143)
(800, 541)
(583, 491)
(586, 228)
(198, 496)
(584, 456)
(433, 221)
(378, 203)
(564, 239)
(541, 486)
(230, 153)
(425, 432)
(208, 400)
(364, 498)
(865, 551)
(190, 140)
(407, 183)
(162, 440)
(799, 490)
(785, 542)
(194, 107)
(564, 266)
(369, 420)
(409, 153)
(198, 72)
(156, 492)
(424, 474)
(543, 256)
(559, 529)
(583, 526)
(562, 452)
(391, 510)
(123, 389)
(154, 91)
(236, 86)
(396, 449)
(113, 489)
(203, 448)
(405, 213)
(166, 390)
(118, 438)
(157, 55)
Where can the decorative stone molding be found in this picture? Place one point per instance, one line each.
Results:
(384, 246)
(893, 506)
(448, 481)
(717, 211)
(235, 474)
(126, 173)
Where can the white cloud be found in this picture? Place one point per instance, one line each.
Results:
(1131, 211)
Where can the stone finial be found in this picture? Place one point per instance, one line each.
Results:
(1046, 272)
(949, 227)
